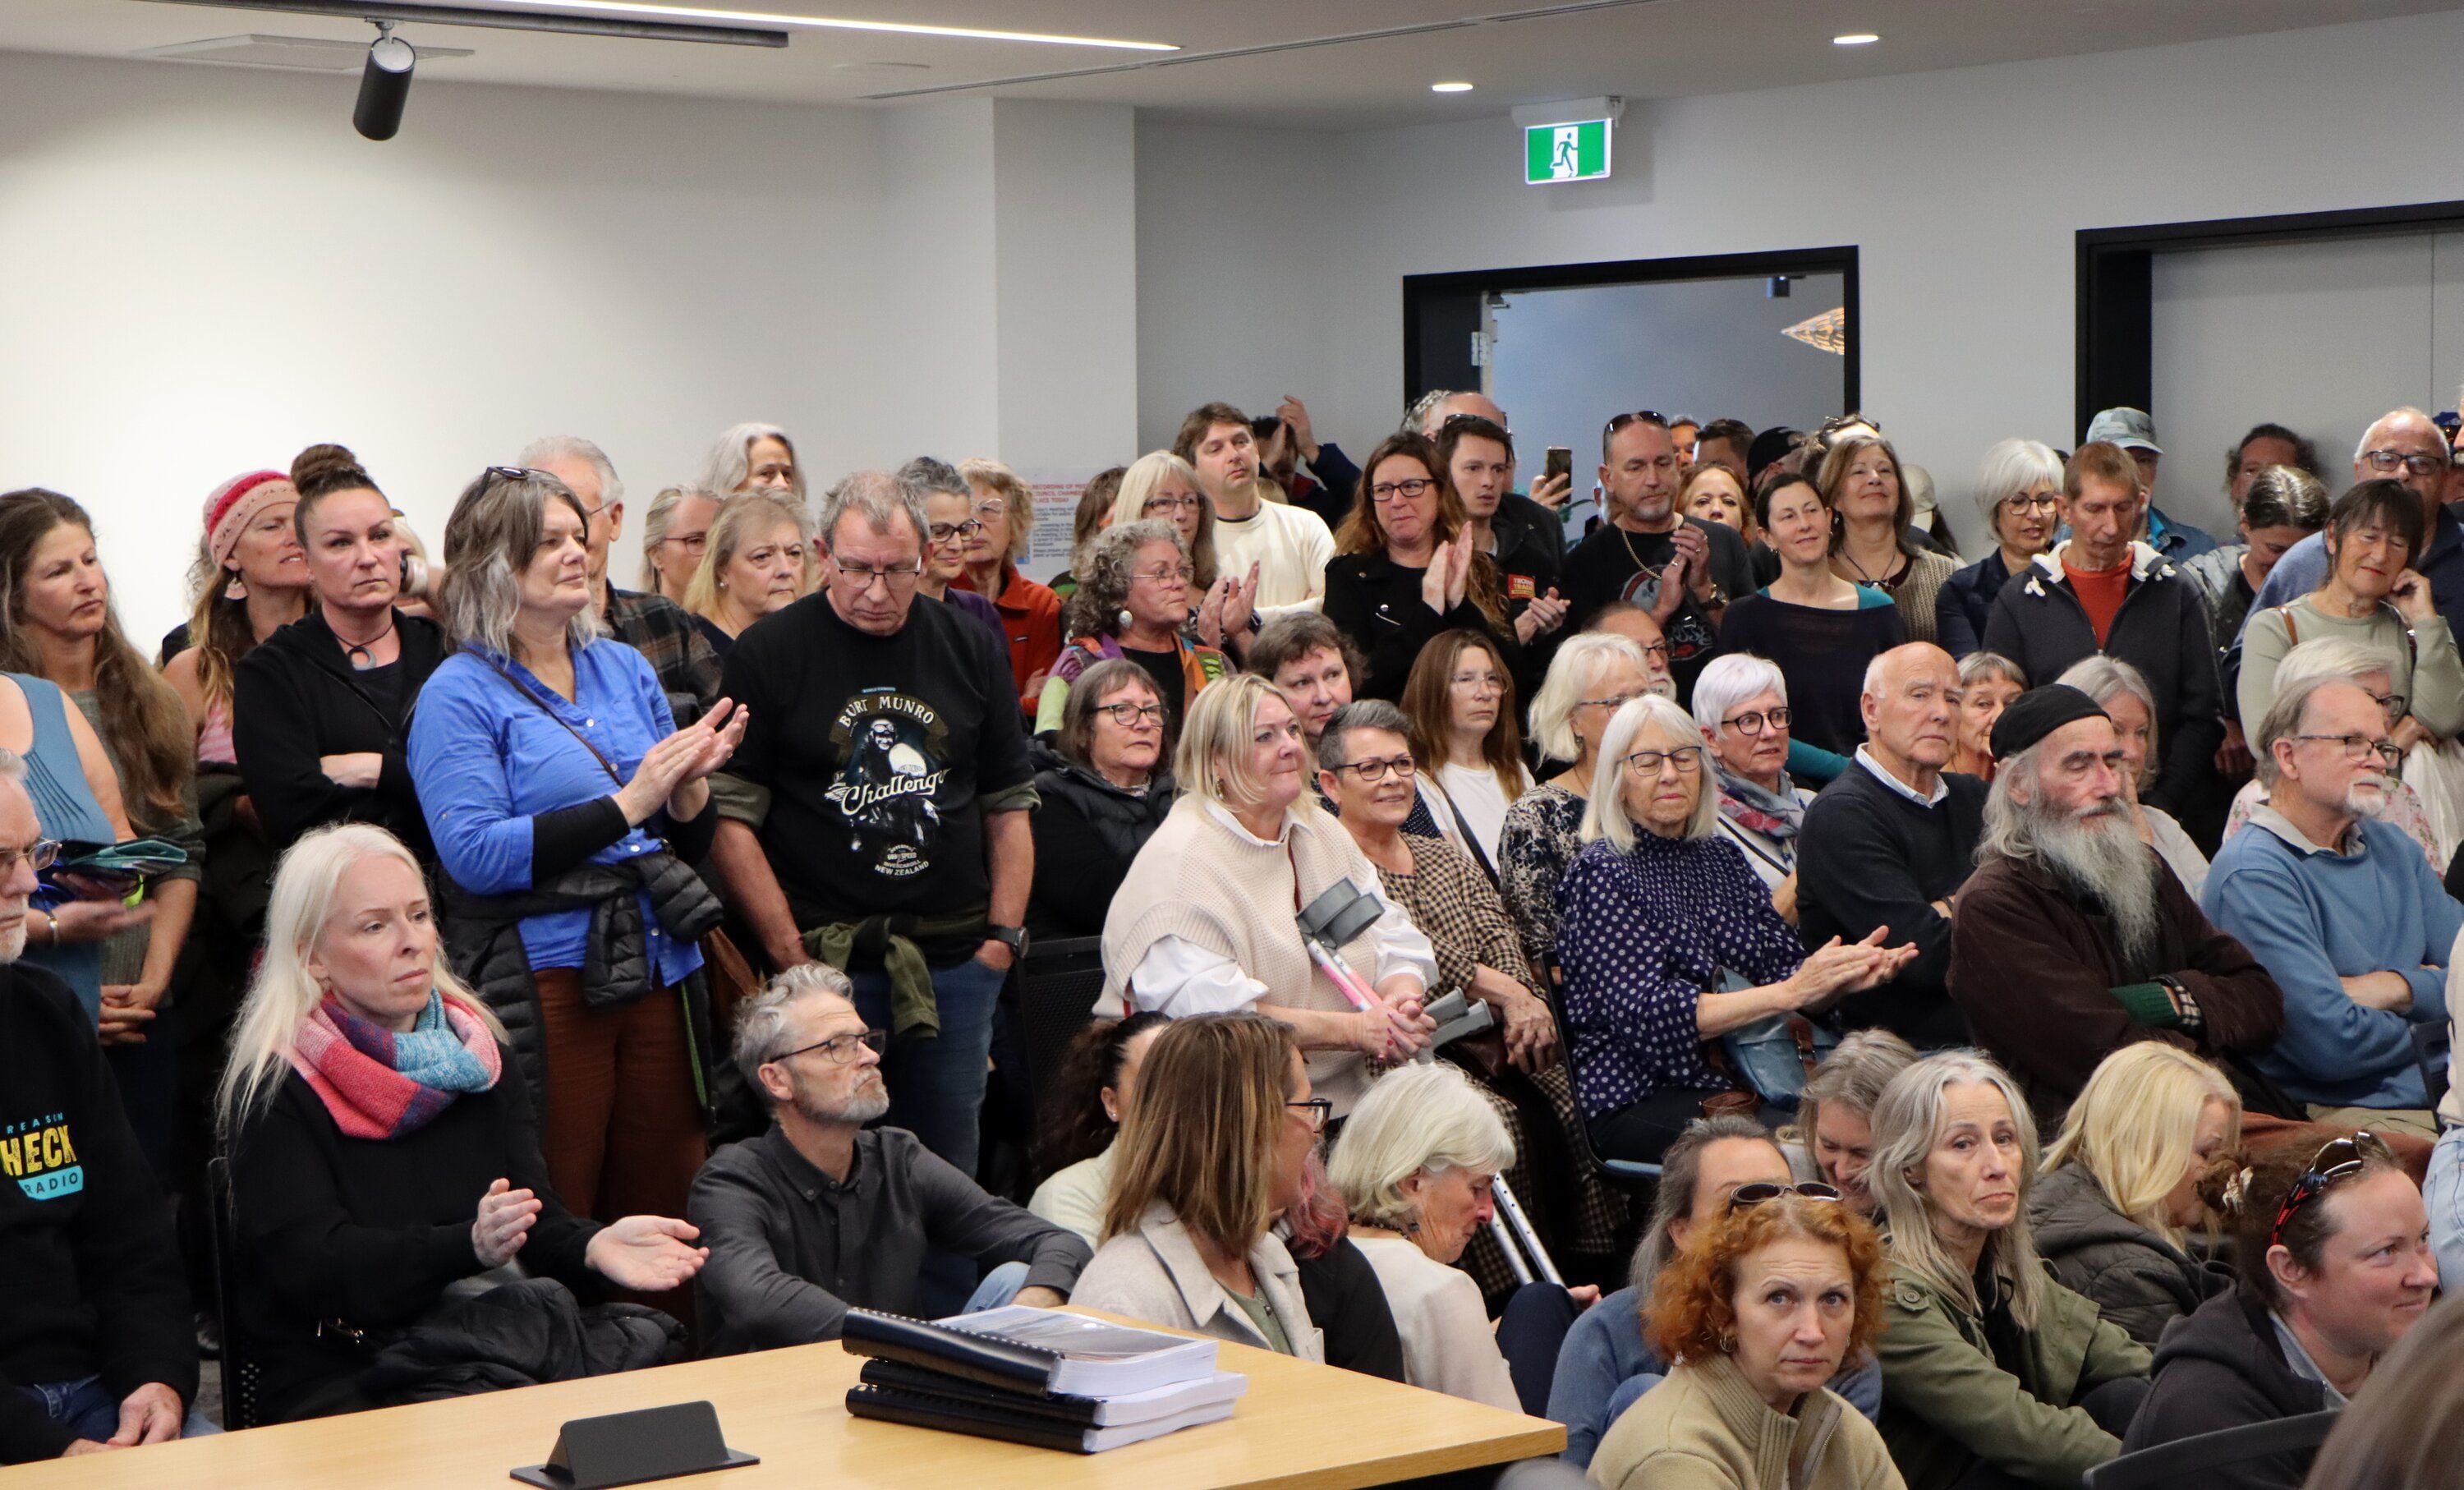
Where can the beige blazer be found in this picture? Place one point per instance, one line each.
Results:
(1155, 1274)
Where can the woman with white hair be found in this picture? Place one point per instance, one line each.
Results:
(1203, 923)
(1669, 941)
(566, 808)
(754, 458)
(1741, 703)
(2018, 489)
(1591, 678)
(1993, 1373)
(382, 1165)
(2122, 691)
(1414, 1166)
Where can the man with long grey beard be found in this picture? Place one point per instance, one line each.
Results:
(2073, 939)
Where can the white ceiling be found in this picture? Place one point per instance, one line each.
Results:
(1533, 51)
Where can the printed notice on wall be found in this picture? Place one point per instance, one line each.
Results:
(1057, 490)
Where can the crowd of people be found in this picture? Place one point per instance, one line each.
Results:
(1974, 1017)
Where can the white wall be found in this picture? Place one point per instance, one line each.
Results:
(1961, 190)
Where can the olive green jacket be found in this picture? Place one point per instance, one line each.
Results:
(1947, 1403)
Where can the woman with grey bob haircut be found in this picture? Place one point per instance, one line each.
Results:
(1978, 1325)
(2017, 489)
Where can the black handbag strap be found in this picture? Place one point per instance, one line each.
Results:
(541, 703)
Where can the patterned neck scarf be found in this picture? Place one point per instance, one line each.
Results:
(1774, 815)
(378, 1083)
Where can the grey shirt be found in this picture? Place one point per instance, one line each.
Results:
(792, 1250)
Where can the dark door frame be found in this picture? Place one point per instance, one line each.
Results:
(1439, 299)
(2117, 282)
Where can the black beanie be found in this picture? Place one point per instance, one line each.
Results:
(2039, 713)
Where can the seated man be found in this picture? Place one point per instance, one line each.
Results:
(821, 1214)
(2341, 909)
(1891, 840)
(97, 1349)
(2072, 939)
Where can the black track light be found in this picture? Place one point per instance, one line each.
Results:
(385, 85)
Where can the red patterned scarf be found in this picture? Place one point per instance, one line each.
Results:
(358, 1067)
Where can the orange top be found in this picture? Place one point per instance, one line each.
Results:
(2099, 592)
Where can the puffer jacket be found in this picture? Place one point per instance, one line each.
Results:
(1946, 1402)
(519, 1335)
(483, 942)
(2134, 1277)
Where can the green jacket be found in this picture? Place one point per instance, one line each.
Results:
(1947, 1403)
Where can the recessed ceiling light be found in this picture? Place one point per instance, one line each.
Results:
(697, 12)
(1857, 39)
(1450, 87)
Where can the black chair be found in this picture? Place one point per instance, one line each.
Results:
(2180, 1461)
(1057, 987)
(2430, 1048)
(241, 1384)
(1627, 1174)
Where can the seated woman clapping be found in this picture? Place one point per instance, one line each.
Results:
(1758, 1312)
(383, 1165)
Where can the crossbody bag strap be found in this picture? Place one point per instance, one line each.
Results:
(1470, 839)
(541, 703)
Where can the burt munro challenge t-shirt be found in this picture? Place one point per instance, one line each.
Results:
(876, 752)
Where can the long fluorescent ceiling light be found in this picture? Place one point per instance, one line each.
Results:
(674, 22)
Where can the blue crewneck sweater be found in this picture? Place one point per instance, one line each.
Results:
(2314, 915)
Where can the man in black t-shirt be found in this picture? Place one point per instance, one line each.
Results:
(876, 817)
(1680, 570)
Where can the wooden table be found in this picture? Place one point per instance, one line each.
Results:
(1300, 1426)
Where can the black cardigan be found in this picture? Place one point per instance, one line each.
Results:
(294, 699)
(1377, 602)
(370, 1232)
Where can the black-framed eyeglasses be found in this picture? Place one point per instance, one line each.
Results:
(859, 577)
(1172, 504)
(1373, 771)
(506, 473)
(39, 855)
(2033, 501)
(838, 1049)
(1316, 1112)
(2358, 748)
(1126, 714)
(1752, 720)
(2414, 464)
(2337, 1159)
(1410, 489)
(1745, 1196)
(944, 531)
(1687, 758)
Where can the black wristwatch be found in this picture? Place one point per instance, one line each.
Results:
(1013, 937)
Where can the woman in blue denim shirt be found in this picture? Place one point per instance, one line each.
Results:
(566, 808)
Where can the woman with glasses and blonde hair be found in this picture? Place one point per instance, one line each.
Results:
(1592, 676)
(1214, 1145)
(2332, 1269)
(2019, 490)
(1204, 921)
(1160, 485)
(1030, 612)
(752, 565)
(2120, 1188)
(1132, 601)
(1669, 941)
(381, 1164)
(1993, 1373)
(1405, 570)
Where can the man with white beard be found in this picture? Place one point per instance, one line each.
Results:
(2341, 909)
(2072, 939)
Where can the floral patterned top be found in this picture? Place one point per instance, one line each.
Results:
(1543, 833)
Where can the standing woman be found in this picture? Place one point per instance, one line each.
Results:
(1131, 600)
(566, 809)
(1592, 677)
(1093, 516)
(1103, 787)
(1821, 629)
(1030, 612)
(752, 565)
(2018, 489)
(754, 458)
(1405, 569)
(1861, 482)
(1160, 483)
(251, 579)
(1461, 699)
(62, 628)
(320, 710)
(675, 532)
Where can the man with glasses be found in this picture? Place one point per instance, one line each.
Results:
(1289, 546)
(658, 628)
(876, 817)
(2340, 909)
(2405, 446)
(1682, 570)
(2073, 938)
(97, 1347)
(1890, 843)
(822, 1213)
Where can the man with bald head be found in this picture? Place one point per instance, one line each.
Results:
(2405, 446)
(1892, 840)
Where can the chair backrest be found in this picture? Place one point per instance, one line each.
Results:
(2180, 1461)
(241, 1383)
(1057, 987)
(1626, 1174)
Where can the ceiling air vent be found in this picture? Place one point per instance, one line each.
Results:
(309, 53)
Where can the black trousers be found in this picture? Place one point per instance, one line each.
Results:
(1642, 1130)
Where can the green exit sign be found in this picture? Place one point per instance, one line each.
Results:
(1575, 151)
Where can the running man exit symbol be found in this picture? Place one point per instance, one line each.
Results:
(1575, 151)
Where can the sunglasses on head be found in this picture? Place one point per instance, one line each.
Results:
(2337, 1159)
(1640, 416)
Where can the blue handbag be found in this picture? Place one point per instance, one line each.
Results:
(1777, 1054)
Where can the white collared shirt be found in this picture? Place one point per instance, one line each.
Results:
(1881, 773)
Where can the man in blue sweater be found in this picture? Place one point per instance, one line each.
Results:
(2342, 911)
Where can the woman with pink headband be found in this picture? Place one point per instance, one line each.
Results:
(251, 577)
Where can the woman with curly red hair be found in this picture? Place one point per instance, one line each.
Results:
(1758, 1312)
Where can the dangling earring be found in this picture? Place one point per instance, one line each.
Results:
(238, 589)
